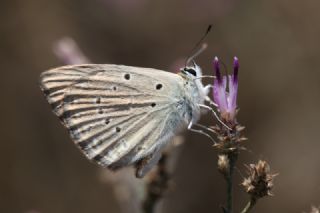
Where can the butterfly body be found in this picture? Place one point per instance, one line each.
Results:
(120, 115)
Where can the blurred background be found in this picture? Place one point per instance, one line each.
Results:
(276, 41)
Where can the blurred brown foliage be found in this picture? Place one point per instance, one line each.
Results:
(276, 41)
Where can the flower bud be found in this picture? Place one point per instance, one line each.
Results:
(223, 164)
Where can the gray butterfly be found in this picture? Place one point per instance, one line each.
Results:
(120, 115)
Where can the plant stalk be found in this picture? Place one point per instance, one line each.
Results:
(229, 179)
(249, 205)
(157, 186)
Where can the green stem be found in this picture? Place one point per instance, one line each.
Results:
(249, 205)
(229, 178)
(229, 193)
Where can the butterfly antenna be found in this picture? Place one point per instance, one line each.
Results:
(203, 47)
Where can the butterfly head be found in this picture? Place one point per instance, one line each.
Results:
(193, 81)
(192, 72)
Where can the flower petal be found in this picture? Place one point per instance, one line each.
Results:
(225, 91)
(233, 92)
(235, 69)
(216, 66)
(219, 95)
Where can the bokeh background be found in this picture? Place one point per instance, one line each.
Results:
(277, 42)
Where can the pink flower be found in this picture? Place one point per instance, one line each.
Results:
(225, 90)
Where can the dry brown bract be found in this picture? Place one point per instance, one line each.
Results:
(260, 180)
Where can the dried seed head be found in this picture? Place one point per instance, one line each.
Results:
(260, 180)
(223, 164)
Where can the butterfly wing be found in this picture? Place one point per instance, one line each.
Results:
(115, 114)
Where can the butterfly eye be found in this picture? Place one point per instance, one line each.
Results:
(191, 71)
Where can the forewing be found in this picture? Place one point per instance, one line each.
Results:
(115, 114)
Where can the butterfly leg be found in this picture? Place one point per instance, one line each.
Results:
(147, 163)
(215, 114)
(207, 98)
(207, 88)
(200, 132)
(204, 127)
(211, 102)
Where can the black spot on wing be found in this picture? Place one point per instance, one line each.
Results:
(88, 141)
(158, 86)
(127, 158)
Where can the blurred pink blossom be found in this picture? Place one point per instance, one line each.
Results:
(67, 50)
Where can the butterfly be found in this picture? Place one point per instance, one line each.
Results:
(123, 115)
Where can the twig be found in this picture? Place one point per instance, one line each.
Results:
(249, 205)
(157, 186)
